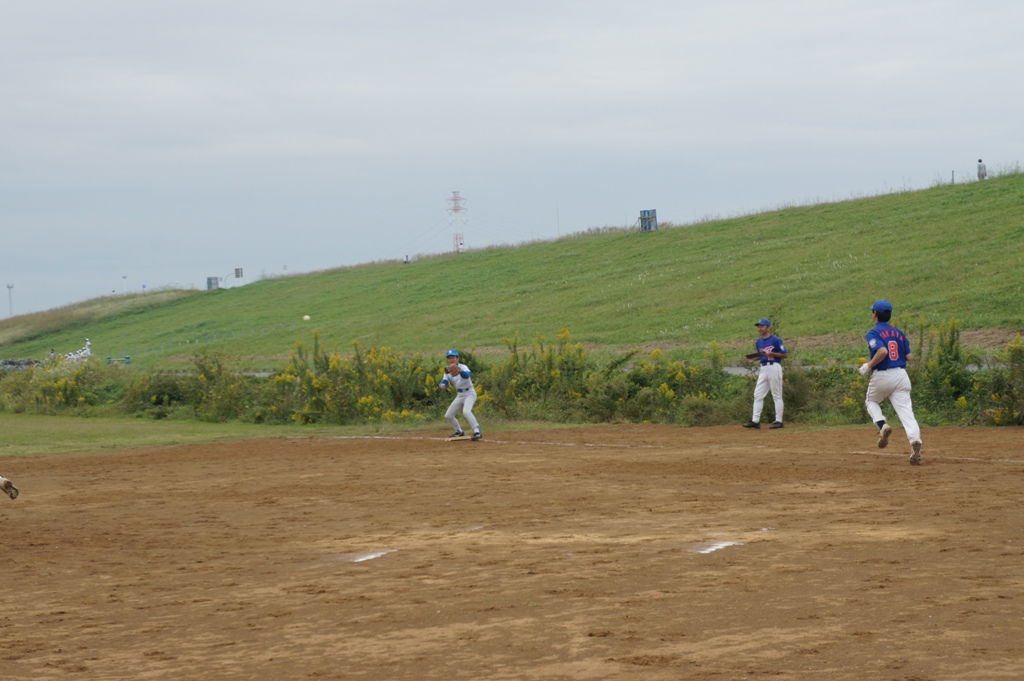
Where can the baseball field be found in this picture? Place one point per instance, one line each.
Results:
(611, 552)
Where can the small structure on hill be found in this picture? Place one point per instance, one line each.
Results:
(648, 220)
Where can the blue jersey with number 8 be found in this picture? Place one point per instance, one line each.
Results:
(887, 336)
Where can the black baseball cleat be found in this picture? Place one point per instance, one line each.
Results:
(477, 436)
(777, 424)
(751, 424)
(457, 433)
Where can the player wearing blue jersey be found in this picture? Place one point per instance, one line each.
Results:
(459, 375)
(770, 353)
(889, 351)
(8, 487)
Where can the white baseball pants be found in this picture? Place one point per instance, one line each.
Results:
(463, 402)
(893, 384)
(768, 378)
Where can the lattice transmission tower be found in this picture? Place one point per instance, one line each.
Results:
(458, 219)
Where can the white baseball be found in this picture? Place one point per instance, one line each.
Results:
(305, 318)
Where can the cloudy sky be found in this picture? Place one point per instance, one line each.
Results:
(154, 143)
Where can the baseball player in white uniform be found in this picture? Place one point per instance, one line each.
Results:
(889, 351)
(459, 375)
(770, 353)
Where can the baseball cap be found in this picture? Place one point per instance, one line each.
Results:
(452, 353)
(881, 306)
(763, 322)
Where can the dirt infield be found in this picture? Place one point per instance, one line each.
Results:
(618, 552)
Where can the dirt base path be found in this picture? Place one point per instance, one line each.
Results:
(618, 552)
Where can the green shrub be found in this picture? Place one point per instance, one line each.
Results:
(221, 394)
(75, 387)
(546, 382)
(374, 385)
(157, 394)
(999, 390)
(835, 394)
(558, 382)
(941, 376)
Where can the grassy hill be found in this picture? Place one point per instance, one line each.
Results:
(949, 251)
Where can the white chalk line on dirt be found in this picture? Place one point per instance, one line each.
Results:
(492, 441)
(926, 456)
(638, 446)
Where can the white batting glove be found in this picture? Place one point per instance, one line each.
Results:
(865, 369)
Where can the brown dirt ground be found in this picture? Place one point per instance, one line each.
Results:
(615, 552)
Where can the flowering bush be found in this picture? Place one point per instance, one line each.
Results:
(999, 390)
(556, 381)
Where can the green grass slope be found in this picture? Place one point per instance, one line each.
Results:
(949, 251)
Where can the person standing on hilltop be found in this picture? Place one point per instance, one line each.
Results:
(982, 173)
